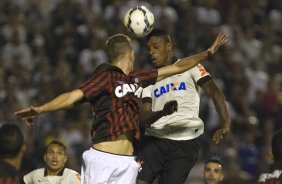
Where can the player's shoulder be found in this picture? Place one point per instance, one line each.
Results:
(37, 171)
(72, 174)
(70, 171)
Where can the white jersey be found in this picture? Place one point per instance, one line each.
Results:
(38, 176)
(184, 124)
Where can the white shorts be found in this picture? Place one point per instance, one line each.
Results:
(106, 168)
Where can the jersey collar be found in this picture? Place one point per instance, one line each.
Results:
(107, 67)
(59, 174)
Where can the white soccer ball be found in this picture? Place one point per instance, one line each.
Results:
(139, 21)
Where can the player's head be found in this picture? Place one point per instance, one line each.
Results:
(118, 47)
(276, 145)
(11, 141)
(213, 173)
(160, 47)
(55, 156)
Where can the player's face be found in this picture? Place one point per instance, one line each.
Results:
(55, 157)
(213, 173)
(159, 50)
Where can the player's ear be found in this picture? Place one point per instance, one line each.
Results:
(45, 158)
(169, 46)
(65, 159)
(221, 177)
(269, 153)
(23, 148)
(131, 56)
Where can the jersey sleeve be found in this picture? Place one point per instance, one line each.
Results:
(147, 95)
(199, 74)
(28, 178)
(147, 77)
(74, 177)
(95, 85)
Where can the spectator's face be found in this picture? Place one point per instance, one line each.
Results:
(55, 157)
(159, 50)
(213, 173)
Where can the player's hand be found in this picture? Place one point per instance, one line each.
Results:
(220, 39)
(220, 134)
(28, 114)
(170, 107)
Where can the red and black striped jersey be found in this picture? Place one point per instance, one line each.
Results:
(115, 99)
(8, 174)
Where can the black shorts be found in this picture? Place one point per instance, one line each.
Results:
(169, 160)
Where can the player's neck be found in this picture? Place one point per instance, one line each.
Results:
(54, 173)
(123, 66)
(15, 162)
(169, 59)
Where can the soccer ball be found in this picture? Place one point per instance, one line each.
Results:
(139, 21)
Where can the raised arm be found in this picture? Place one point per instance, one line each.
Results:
(63, 101)
(189, 62)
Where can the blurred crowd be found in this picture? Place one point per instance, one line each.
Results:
(50, 47)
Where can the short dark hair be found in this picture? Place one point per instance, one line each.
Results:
(11, 140)
(59, 143)
(276, 145)
(117, 46)
(159, 33)
(216, 160)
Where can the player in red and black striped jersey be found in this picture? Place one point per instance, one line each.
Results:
(115, 100)
(12, 149)
(274, 175)
(114, 92)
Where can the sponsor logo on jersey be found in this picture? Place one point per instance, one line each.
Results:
(270, 176)
(202, 70)
(170, 87)
(124, 89)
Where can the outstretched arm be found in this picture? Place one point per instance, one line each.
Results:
(211, 88)
(190, 62)
(63, 101)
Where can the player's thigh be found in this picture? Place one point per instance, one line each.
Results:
(177, 170)
(152, 160)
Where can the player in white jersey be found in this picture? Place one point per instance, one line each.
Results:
(55, 171)
(173, 148)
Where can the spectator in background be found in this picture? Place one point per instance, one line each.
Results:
(12, 148)
(248, 152)
(17, 53)
(55, 171)
(275, 173)
(213, 172)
